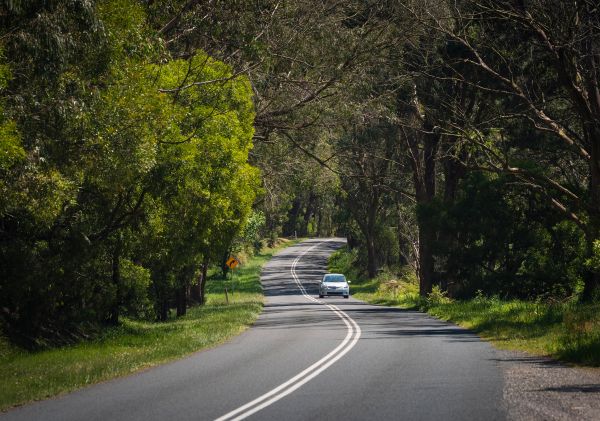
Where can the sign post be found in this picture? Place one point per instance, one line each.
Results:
(231, 263)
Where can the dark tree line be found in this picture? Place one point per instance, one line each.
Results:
(494, 105)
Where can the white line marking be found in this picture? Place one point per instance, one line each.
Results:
(284, 389)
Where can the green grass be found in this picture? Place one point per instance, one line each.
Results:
(134, 345)
(566, 331)
(569, 331)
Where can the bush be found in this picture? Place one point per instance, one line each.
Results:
(135, 298)
(437, 297)
(505, 241)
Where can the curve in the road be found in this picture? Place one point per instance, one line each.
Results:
(406, 365)
(284, 389)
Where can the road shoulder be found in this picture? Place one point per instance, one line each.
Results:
(538, 388)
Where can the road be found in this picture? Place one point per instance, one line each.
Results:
(307, 359)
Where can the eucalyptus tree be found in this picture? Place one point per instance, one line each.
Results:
(538, 64)
(295, 53)
(53, 51)
(369, 170)
(107, 139)
(388, 88)
(299, 57)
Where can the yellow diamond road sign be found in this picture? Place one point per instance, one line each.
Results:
(232, 262)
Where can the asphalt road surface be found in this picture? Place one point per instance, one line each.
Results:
(307, 359)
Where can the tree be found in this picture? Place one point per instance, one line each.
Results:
(204, 186)
(368, 170)
(108, 140)
(543, 72)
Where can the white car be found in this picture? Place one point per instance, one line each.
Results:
(334, 284)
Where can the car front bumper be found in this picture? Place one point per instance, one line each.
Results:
(335, 292)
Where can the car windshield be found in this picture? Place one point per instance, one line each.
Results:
(335, 278)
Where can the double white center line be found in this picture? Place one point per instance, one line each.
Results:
(284, 389)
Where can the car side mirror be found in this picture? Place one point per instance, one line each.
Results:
(349, 282)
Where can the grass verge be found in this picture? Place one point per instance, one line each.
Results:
(135, 345)
(569, 331)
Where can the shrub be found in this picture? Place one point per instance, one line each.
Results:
(437, 297)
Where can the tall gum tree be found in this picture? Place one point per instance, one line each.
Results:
(542, 60)
(208, 189)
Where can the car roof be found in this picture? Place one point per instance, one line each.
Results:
(335, 274)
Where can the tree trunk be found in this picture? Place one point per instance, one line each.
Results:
(308, 214)
(319, 230)
(292, 223)
(426, 232)
(592, 278)
(224, 267)
(116, 279)
(351, 241)
(423, 164)
(453, 172)
(195, 290)
(403, 247)
(181, 299)
(203, 282)
(369, 233)
(371, 255)
(163, 311)
(426, 262)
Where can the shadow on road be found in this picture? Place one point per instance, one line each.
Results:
(583, 388)
(381, 322)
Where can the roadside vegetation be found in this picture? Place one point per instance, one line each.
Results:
(135, 344)
(144, 142)
(567, 330)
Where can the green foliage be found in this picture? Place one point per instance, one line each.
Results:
(437, 297)
(135, 344)
(580, 340)
(11, 149)
(252, 232)
(568, 330)
(134, 297)
(504, 241)
(127, 31)
(208, 187)
(117, 178)
(594, 262)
